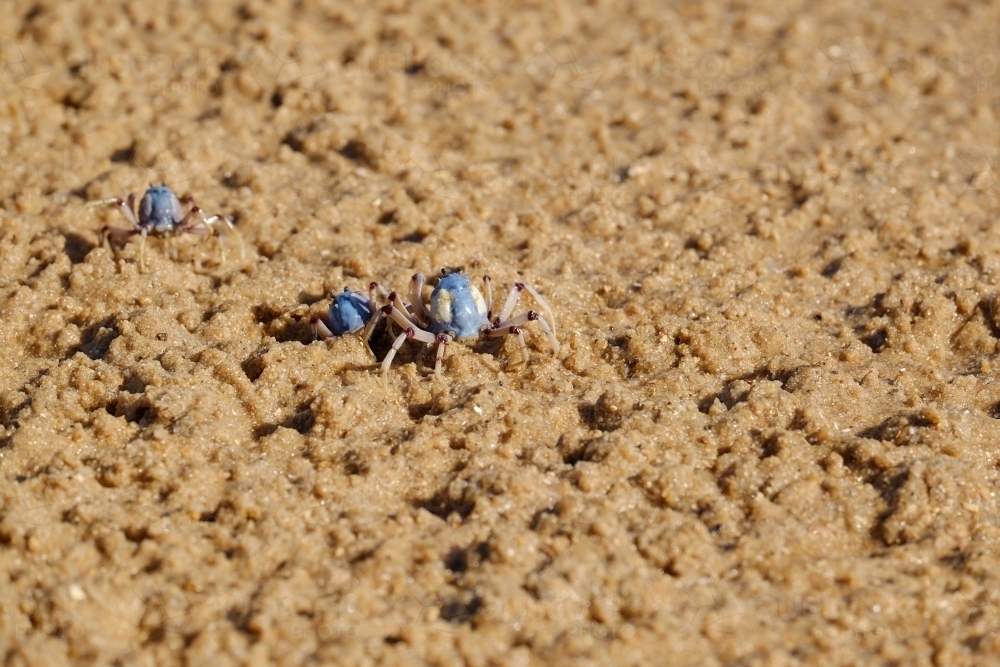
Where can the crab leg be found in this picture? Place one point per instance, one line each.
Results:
(442, 340)
(512, 330)
(488, 286)
(502, 328)
(417, 297)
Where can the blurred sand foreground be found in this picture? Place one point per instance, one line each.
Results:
(770, 239)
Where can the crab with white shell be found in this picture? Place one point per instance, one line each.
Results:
(458, 309)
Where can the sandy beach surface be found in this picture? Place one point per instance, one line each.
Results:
(769, 236)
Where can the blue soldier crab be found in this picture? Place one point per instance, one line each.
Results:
(457, 309)
(350, 310)
(160, 214)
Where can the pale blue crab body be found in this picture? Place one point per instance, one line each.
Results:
(159, 210)
(349, 312)
(457, 306)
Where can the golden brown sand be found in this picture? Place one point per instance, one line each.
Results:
(769, 234)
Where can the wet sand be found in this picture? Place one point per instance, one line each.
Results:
(769, 238)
